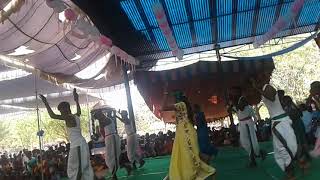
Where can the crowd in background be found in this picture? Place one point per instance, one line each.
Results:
(28, 164)
(52, 163)
(161, 144)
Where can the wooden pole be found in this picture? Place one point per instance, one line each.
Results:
(38, 120)
(128, 93)
(221, 76)
(317, 39)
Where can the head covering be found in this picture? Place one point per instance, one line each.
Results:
(179, 95)
(101, 106)
(265, 86)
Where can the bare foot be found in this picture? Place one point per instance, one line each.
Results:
(291, 178)
(213, 177)
(304, 167)
(166, 178)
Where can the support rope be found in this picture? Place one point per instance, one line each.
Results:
(38, 121)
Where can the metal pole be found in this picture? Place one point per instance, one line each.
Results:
(220, 70)
(317, 40)
(89, 117)
(129, 100)
(38, 119)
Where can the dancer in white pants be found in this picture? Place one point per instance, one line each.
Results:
(247, 119)
(112, 141)
(248, 137)
(132, 141)
(284, 139)
(79, 166)
(79, 156)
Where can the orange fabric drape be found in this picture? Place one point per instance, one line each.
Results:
(199, 87)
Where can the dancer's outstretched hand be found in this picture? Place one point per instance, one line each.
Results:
(253, 83)
(44, 99)
(75, 95)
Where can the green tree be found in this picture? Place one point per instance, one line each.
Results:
(3, 131)
(295, 70)
(26, 132)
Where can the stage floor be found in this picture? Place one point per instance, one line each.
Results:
(230, 164)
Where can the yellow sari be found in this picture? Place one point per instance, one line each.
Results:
(185, 162)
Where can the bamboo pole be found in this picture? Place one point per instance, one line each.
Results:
(129, 99)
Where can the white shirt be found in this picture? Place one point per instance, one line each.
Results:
(129, 129)
(110, 129)
(74, 133)
(247, 112)
(274, 107)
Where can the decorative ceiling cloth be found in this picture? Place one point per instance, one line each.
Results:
(204, 83)
(36, 33)
(18, 94)
(57, 40)
(196, 24)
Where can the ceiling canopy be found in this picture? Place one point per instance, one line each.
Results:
(197, 25)
(84, 42)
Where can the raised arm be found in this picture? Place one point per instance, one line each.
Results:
(254, 85)
(119, 118)
(165, 107)
(316, 101)
(253, 114)
(76, 99)
(124, 117)
(269, 95)
(51, 113)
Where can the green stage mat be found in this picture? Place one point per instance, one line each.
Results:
(230, 164)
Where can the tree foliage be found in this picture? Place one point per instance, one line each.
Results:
(23, 130)
(296, 70)
(3, 130)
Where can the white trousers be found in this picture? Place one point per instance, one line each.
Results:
(247, 134)
(113, 151)
(284, 152)
(79, 155)
(132, 148)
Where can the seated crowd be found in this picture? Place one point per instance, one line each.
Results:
(54, 164)
(28, 165)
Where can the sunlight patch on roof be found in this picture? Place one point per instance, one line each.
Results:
(100, 76)
(5, 106)
(32, 98)
(13, 74)
(22, 50)
(76, 57)
(62, 17)
(92, 70)
(9, 5)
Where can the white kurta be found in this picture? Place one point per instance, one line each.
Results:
(113, 147)
(284, 128)
(132, 144)
(248, 135)
(79, 153)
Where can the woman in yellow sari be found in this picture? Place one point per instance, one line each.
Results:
(185, 161)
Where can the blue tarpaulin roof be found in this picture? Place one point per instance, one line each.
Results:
(198, 25)
(227, 22)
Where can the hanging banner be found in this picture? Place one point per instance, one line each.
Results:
(281, 23)
(166, 30)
